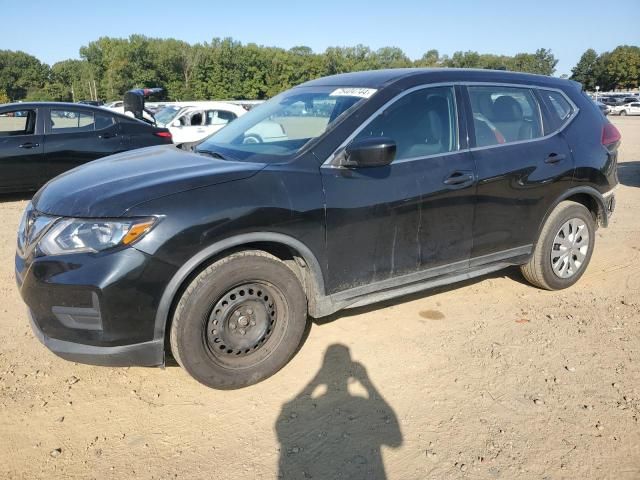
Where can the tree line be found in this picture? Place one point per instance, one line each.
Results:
(220, 69)
(618, 69)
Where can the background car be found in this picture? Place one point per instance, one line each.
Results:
(191, 125)
(605, 109)
(39, 141)
(95, 103)
(632, 108)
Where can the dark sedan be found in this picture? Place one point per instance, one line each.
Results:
(39, 141)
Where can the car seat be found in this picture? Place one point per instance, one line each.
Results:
(509, 119)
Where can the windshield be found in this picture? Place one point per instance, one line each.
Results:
(284, 124)
(166, 114)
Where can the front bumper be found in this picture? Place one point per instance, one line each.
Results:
(146, 354)
(96, 308)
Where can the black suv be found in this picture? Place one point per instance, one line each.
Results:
(381, 184)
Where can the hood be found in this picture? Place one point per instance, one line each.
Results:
(110, 186)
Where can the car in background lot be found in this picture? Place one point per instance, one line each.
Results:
(386, 183)
(95, 103)
(114, 104)
(605, 109)
(632, 108)
(41, 140)
(193, 124)
(611, 101)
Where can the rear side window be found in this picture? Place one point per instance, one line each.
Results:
(103, 120)
(70, 121)
(504, 115)
(17, 122)
(421, 123)
(560, 107)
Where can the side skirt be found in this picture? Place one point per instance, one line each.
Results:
(418, 281)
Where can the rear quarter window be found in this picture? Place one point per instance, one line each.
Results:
(559, 109)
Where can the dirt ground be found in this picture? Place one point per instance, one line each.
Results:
(488, 379)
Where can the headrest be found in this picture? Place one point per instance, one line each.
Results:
(506, 109)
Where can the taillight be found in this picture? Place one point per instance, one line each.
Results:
(162, 134)
(610, 135)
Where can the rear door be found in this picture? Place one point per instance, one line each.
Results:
(75, 136)
(22, 164)
(523, 162)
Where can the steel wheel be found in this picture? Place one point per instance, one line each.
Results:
(570, 248)
(243, 327)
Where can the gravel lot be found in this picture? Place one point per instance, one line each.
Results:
(488, 379)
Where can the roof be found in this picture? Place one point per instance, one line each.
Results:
(51, 104)
(382, 78)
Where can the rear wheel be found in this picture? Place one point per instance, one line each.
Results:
(564, 248)
(239, 321)
(623, 113)
(252, 138)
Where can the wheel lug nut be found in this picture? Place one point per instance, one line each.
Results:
(249, 311)
(232, 326)
(242, 332)
(253, 322)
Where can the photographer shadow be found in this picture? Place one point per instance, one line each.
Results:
(329, 432)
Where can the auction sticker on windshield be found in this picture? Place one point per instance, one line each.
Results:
(353, 92)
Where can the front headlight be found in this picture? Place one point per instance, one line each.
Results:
(77, 235)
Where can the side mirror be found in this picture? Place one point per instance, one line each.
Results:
(176, 123)
(369, 152)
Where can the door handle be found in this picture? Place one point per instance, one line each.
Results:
(554, 158)
(459, 178)
(106, 136)
(29, 145)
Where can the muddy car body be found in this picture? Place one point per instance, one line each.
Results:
(389, 182)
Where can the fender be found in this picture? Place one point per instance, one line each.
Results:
(603, 212)
(162, 314)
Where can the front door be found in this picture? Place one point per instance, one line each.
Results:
(22, 164)
(412, 215)
(77, 136)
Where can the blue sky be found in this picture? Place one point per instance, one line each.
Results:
(55, 30)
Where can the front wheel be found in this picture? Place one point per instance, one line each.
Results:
(239, 321)
(564, 248)
(623, 113)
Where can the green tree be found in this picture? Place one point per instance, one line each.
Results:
(21, 74)
(430, 59)
(623, 67)
(583, 72)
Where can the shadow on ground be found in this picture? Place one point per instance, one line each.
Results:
(336, 426)
(629, 173)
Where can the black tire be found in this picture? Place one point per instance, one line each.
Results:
(539, 270)
(264, 302)
(623, 113)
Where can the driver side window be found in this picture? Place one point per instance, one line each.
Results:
(421, 123)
